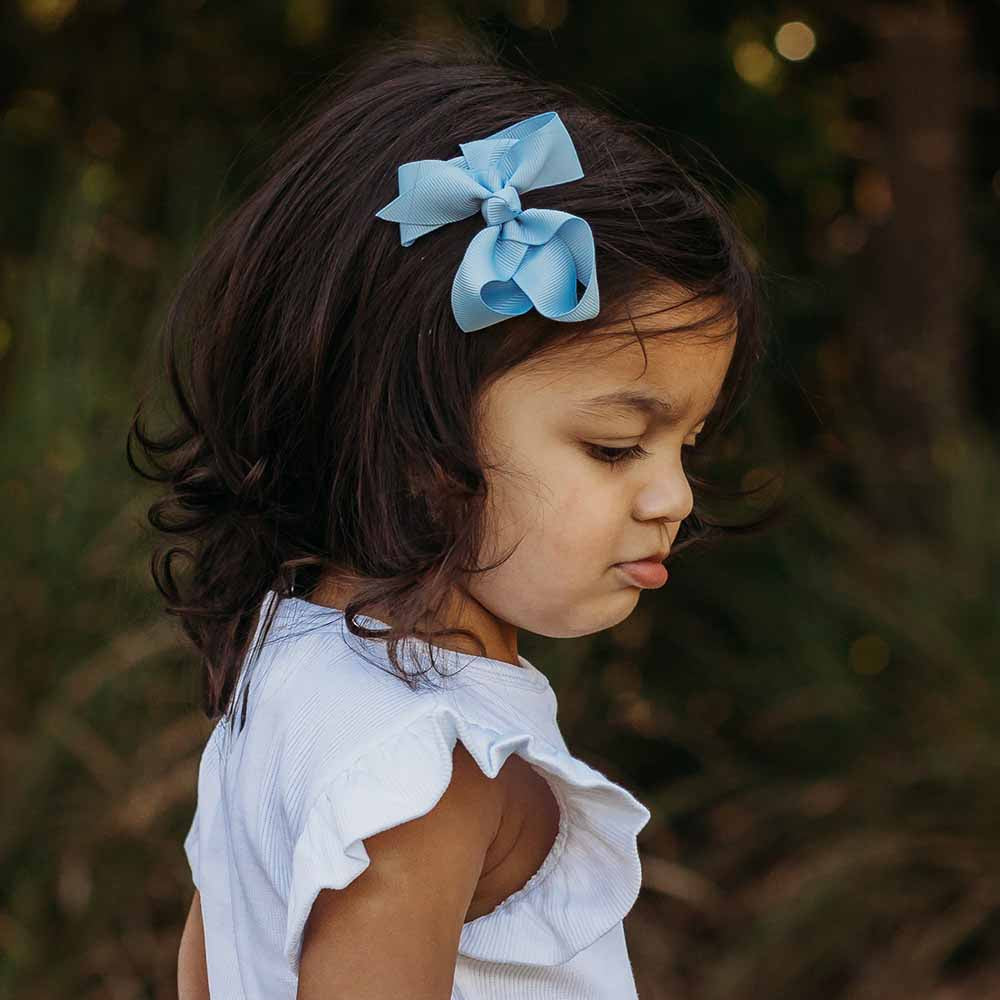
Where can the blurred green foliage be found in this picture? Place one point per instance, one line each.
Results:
(812, 716)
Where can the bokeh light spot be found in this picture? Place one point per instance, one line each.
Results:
(795, 41)
(306, 20)
(754, 62)
(47, 14)
(545, 14)
(873, 194)
(868, 655)
(97, 183)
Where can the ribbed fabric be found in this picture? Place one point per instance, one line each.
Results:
(336, 749)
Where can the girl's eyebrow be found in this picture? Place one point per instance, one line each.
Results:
(635, 400)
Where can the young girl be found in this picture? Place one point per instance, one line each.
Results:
(412, 425)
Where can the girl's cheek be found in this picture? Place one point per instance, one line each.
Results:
(586, 501)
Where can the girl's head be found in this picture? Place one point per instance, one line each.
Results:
(337, 429)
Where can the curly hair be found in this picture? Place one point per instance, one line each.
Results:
(326, 397)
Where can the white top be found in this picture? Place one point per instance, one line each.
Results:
(336, 749)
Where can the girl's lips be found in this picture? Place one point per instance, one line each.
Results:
(646, 573)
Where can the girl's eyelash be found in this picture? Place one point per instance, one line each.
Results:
(614, 456)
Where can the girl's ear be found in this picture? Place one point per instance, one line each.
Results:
(424, 486)
(436, 492)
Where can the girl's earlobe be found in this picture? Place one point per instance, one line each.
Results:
(421, 488)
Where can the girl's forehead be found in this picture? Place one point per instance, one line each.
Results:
(643, 350)
(683, 381)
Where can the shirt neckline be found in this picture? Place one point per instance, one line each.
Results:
(527, 675)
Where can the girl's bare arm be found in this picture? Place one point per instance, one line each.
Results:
(394, 931)
(192, 969)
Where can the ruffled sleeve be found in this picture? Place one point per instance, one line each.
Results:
(205, 802)
(191, 850)
(587, 883)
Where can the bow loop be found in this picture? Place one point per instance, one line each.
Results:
(523, 259)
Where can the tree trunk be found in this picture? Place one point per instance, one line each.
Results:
(908, 332)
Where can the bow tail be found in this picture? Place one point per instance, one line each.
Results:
(502, 277)
(482, 293)
(550, 273)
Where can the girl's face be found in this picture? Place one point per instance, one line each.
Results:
(575, 514)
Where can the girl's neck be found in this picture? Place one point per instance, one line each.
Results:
(500, 638)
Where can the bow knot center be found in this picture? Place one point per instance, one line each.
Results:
(501, 206)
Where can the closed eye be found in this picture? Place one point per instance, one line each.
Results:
(616, 456)
(613, 456)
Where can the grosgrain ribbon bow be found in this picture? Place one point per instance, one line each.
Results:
(524, 258)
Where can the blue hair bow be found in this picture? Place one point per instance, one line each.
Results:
(524, 258)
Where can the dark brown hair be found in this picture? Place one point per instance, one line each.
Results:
(327, 397)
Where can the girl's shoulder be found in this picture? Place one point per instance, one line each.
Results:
(319, 698)
(567, 881)
(325, 693)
